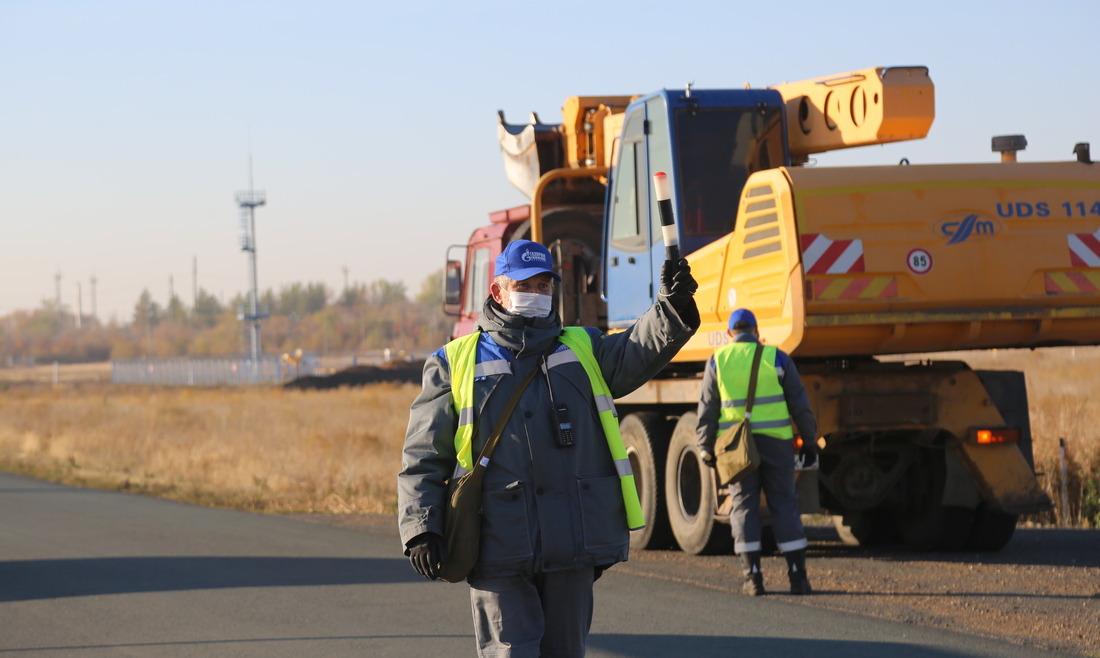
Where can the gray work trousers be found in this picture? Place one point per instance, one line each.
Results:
(548, 614)
(776, 478)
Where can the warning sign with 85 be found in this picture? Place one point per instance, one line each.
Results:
(919, 261)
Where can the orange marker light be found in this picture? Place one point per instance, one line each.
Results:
(996, 436)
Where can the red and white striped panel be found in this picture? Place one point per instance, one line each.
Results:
(820, 255)
(1084, 249)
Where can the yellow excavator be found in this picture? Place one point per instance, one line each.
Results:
(841, 265)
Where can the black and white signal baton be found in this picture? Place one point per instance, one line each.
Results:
(668, 222)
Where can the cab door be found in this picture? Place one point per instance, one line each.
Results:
(629, 263)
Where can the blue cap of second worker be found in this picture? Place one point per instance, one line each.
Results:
(524, 259)
(742, 318)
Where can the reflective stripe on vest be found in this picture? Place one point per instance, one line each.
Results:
(770, 415)
(578, 340)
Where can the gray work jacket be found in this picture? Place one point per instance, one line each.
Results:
(546, 508)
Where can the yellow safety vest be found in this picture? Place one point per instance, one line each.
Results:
(770, 415)
(462, 355)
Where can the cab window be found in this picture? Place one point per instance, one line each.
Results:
(477, 283)
(626, 226)
(718, 150)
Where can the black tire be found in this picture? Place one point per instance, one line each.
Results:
(580, 234)
(873, 527)
(855, 528)
(942, 528)
(645, 435)
(930, 525)
(690, 495)
(992, 530)
(580, 225)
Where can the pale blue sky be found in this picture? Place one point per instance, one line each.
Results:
(126, 125)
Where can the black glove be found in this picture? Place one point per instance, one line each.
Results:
(806, 459)
(676, 281)
(678, 286)
(708, 458)
(426, 552)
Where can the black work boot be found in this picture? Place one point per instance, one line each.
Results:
(796, 572)
(754, 580)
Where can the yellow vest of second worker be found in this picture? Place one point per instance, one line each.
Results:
(770, 415)
(462, 358)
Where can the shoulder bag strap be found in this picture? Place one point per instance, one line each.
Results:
(498, 429)
(752, 379)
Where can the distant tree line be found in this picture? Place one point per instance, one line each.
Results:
(309, 316)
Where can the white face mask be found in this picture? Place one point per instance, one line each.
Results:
(529, 304)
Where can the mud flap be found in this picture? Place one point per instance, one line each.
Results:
(809, 499)
(1004, 478)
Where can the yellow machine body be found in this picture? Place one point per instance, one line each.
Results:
(885, 260)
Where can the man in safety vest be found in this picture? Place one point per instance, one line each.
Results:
(779, 398)
(558, 499)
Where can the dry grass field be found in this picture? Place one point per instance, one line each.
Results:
(338, 451)
(257, 448)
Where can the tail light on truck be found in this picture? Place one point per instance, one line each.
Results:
(994, 436)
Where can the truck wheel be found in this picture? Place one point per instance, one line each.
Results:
(855, 529)
(931, 525)
(557, 223)
(992, 530)
(691, 496)
(941, 528)
(645, 435)
(872, 527)
(574, 237)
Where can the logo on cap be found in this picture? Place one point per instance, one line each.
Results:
(529, 256)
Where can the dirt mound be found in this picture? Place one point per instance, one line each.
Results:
(401, 372)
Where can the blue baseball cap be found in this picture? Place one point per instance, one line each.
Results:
(524, 259)
(742, 316)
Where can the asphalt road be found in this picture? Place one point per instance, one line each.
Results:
(93, 573)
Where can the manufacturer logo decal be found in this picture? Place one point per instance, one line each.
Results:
(971, 226)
